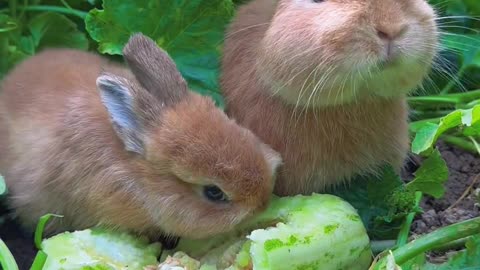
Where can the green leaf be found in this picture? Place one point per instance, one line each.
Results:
(40, 228)
(55, 30)
(7, 24)
(428, 132)
(431, 176)
(471, 118)
(190, 31)
(467, 44)
(3, 186)
(425, 137)
(7, 261)
(450, 8)
(44, 30)
(381, 201)
(472, 7)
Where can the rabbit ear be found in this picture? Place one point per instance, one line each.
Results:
(273, 158)
(117, 96)
(154, 69)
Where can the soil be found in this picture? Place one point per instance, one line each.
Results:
(461, 200)
(464, 168)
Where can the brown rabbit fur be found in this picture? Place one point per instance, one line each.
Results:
(325, 83)
(135, 154)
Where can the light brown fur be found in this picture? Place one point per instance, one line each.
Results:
(61, 154)
(315, 81)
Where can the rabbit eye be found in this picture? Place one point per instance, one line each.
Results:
(214, 194)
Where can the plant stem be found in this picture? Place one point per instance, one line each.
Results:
(7, 261)
(475, 143)
(433, 100)
(465, 96)
(22, 14)
(38, 237)
(454, 80)
(64, 10)
(3, 52)
(445, 99)
(437, 238)
(460, 142)
(66, 4)
(39, 261)
(382, 245)
(418, 114)
(12, 4)
(405, 230)
(471, 104)
(451, 245)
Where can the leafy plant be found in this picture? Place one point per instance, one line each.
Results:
(384, 202)
(23, 34)
(190, 31)
(447, 107)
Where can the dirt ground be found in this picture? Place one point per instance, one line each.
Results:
(463, 169)
(461, 201)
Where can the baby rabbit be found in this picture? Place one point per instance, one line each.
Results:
(325, 82)
(143, 153)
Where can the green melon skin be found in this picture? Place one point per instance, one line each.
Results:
(98, 249)
(301, 232)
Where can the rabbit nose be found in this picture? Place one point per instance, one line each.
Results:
(388, 35)
(391, 33)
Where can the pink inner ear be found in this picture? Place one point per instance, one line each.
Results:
(118, 101)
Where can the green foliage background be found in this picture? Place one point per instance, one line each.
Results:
(192, 32)
(447, 106)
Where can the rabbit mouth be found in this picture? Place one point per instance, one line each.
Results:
(389, 63)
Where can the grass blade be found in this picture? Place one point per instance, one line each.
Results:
(7, 261)
(40, 228)
(39, 261)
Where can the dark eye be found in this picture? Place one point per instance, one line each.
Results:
(214, 194)
(318, 1)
